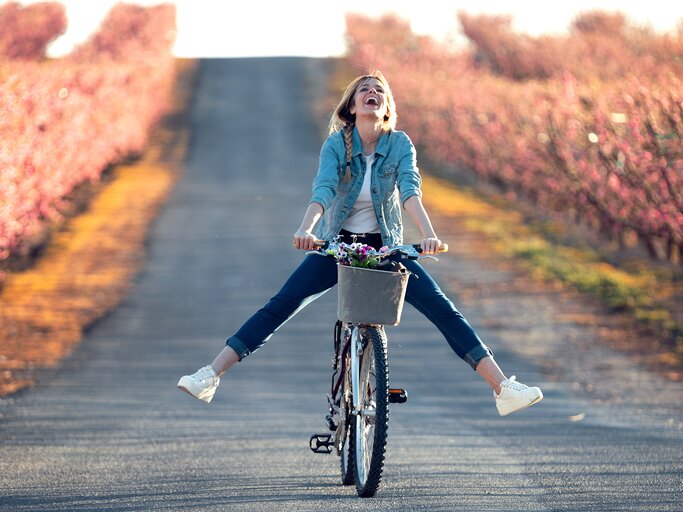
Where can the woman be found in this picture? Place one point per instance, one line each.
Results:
(367, 173)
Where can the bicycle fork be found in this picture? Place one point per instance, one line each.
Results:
(356, 354)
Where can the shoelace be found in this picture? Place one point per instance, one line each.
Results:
(513, 384)
(205, 376)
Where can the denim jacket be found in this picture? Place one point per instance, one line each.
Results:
(395, 177)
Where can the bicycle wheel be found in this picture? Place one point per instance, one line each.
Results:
(370, 426)
(348, 449)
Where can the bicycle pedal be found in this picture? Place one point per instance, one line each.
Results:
(321, 443)
(398, 396)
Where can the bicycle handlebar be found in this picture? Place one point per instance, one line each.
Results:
(324, 244)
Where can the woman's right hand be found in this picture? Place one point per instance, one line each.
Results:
(304, 240)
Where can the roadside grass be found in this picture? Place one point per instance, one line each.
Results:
(87, 264)
(647, 292)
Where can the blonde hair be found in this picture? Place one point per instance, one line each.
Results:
(343, 119)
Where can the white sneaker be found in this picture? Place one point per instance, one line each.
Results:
(202, 384)
(514, 396)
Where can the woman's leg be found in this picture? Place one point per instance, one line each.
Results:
(425, 295)
(314, 276)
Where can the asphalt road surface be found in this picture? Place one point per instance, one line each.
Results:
(109, 430)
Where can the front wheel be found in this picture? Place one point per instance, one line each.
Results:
(369, 425)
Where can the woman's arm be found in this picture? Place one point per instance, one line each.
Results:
(430, 242)
(304, 238)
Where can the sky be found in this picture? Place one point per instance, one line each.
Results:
(257, 28)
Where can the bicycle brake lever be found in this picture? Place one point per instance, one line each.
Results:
(408, 251)
(412, 252)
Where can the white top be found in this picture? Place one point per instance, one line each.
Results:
(362, 218)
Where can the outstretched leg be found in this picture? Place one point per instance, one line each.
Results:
(426, 296)
(315, 275)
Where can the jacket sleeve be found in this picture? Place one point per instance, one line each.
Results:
(408, 177)
(327, 180)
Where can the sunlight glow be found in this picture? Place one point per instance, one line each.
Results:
(316, 28)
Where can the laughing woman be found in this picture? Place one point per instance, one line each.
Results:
(367, 174)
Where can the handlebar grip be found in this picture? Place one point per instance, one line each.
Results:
(442, 248)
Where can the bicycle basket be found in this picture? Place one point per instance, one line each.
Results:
(371, 296)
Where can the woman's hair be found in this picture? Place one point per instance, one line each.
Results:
(343, 119)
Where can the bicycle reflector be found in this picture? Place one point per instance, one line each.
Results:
(398, 396)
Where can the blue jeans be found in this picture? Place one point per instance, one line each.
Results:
(317, 274)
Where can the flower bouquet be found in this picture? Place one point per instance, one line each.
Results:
(356, 254)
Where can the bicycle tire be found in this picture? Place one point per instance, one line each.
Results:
(369, 431)
(348, 449)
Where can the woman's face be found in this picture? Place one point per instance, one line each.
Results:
(370, 100)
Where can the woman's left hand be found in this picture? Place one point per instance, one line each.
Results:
(430, 245)
(304, 240)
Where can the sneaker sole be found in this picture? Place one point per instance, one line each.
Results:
(199, 395)
(510, 408)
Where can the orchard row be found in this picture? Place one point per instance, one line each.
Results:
(587, 126)
(64, 121)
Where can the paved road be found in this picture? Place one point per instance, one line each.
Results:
(109, 430)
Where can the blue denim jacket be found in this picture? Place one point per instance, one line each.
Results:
(395, 177)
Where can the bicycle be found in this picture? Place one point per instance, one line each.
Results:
(360, 395)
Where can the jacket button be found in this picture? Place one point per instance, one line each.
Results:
(374, 190)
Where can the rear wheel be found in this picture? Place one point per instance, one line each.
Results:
(369, 428)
